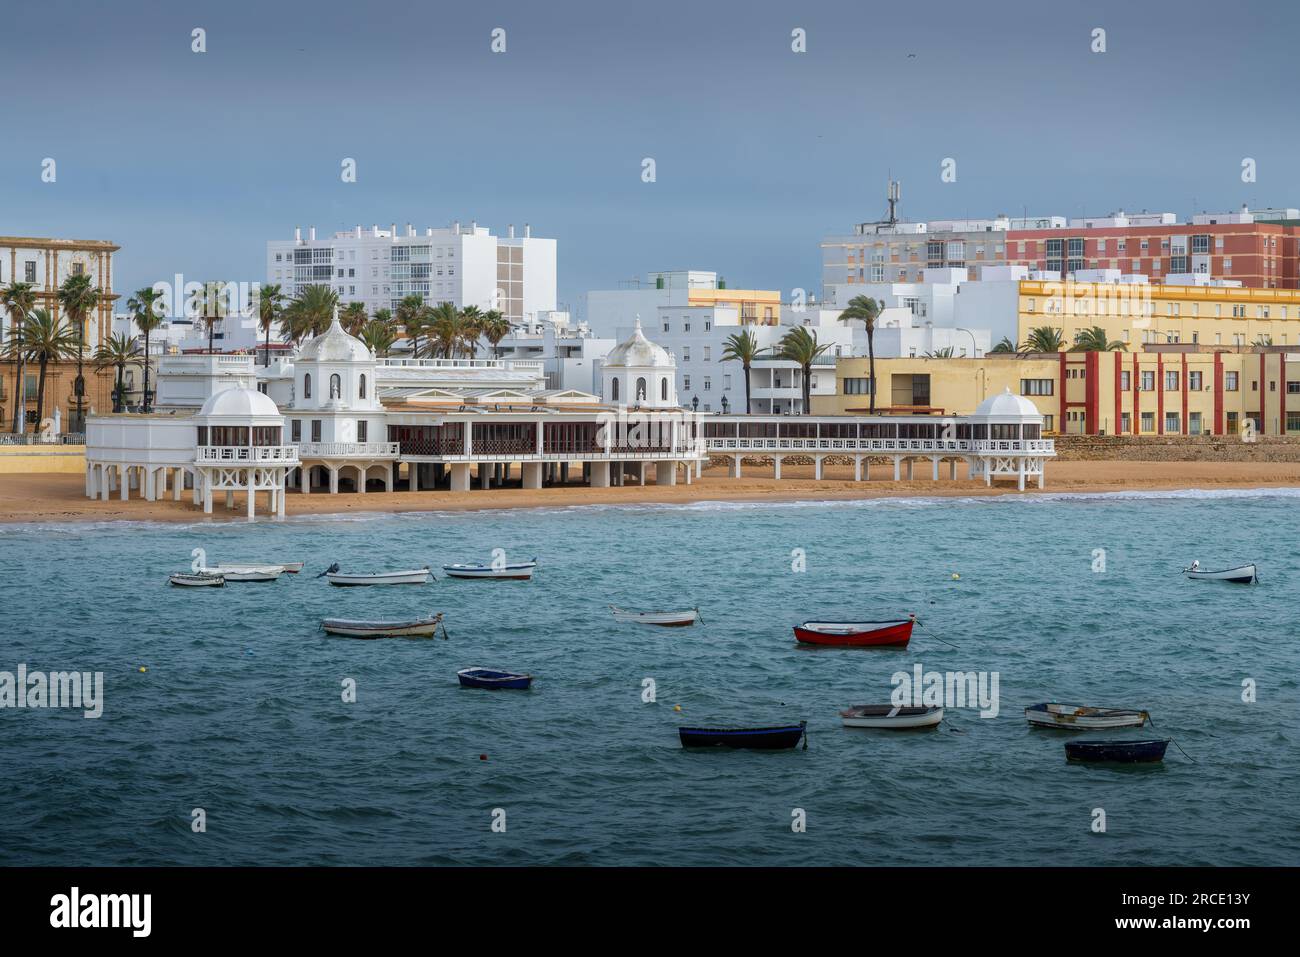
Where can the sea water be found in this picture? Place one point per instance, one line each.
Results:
(229, 733)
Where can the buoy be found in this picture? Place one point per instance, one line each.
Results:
(956, 577)
(143, 669)
(677, 707)
(482, 757)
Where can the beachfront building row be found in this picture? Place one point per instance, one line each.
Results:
(1159, 390)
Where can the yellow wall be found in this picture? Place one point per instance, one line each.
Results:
(68, 459)
(1138, 314)
(763, 304)
(957, 386)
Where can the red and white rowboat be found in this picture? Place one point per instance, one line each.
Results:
(856, 634)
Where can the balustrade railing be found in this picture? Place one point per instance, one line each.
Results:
(896, 446)
(255, 454)
(349, 449)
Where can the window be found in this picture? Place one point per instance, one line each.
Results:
(686, 382)
(1148, 381)
(1230, 381)
(686, 353)
(1171, 422)
(1125, 381)
(857, 386)
(362, 430)
(666, 327)
(1148, 422)
(315, 430)
(1194, 381)
(1194, 423)
(663, 390)
(641, 389)
(361, 390)
(336, 386)
(613, 389)
(1037, 387)
(1171, 381)
(707, 384)
(295, 430)
(29, 271)
(708, 351)
(1293, 421)
(686, 327)
(1125, 422)
(306, 386)
(1293, 387)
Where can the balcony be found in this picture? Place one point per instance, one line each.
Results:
(349, 450)
(246, 455)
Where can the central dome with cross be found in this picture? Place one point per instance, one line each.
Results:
(638, 373)
(335, 371)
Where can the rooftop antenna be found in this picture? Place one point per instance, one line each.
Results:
(895, 194)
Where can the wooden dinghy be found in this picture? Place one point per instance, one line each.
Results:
(665, 619)
(410, 576)
(888, 716)
(289, 568)
(1050, 714)
(778, 738)
(245, 573)
(517, 571)
(1117, 752)
(493, 680)
(1240, 575)
(411, 628)
(201, 580)
(856, 634)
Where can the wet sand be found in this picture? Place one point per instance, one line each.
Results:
(52, 497)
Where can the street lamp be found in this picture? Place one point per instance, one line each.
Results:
(695, 404)
(726, 406)
(974, 346)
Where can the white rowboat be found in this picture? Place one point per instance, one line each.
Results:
(518, 570)
(1241, 575)
(245, 573)
(357, 628)
(1050, 714)
(197, 581)
(665, 619)
(889, 717)
(411, 576)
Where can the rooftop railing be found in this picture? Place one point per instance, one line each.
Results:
(241, 454)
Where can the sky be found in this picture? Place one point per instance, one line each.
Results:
(192, 161)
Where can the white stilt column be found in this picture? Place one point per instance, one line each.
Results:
(952, 470)
(600, 475)
(897, 461)
(934, 469)
(334, 480)
(460, 477)
(207, 493)
(124, 481)
(640, 468)
(735, 466)
(778, 465)
(857, 468)
(532, 474)
(665, 473)
(817, 467)
(178, 485)
(252, 496)
(361, 478)
(910, 468)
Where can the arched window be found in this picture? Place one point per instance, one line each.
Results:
(362, 390)
(613, 389)
(336, 386)
(663, 390)
(306, 386)
(640, 389)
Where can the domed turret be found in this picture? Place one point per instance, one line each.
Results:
(1006, 405)
(335, 371)
(639, 373)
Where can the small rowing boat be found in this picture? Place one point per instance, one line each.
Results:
(1240, 575)
(856, 634)
(245, 573)
(759, 739)
(360, 628)
(488, 678)
(410, 576)
(665, 619)
(889, 716)
(1117, 752)
(292, 568)
(518, 570)
(201, 580)
(1050, 714)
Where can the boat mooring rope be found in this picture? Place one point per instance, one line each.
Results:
(929, 633)
(1174, 742)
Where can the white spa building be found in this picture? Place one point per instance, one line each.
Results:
(337, 419)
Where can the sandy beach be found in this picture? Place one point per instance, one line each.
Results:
(61, 498)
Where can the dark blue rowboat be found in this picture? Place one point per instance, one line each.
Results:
(488, 678)
(762, 739)
(1119, 752)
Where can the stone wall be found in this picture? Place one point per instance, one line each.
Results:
(1176, 448)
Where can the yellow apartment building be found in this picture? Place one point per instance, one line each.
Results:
(1162, 389)
(754, 306)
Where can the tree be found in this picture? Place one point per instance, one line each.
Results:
(211, 306)
(79, 298)
(1095, 340)
(311, 313)
(866, 310)
(946, 352)
(19, 299)
(378, 336)
(495, 328)
(1006, 345)
(799, 345)
(471, 318)
(116, 351)
(270, 309)
(1044, 339)
(412, 317)
(45, 340)
(742, 347)
(144, 309)
(446, 329)
(353, 318)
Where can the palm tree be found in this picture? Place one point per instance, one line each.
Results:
(378, 336)
(1044, 339)
(866, 310)
(799, 345)
(144, 309)
(495, 328)
(1006, 345)
(411, 316)
(78, 299)
(944, 353)
(19, 299)
(270, 308)
(213, 306)
(47, 339)
(353, 318)
(446, 329)
(1094, 340)
(311, 313)
(471, 328)
(742, 347)
(1263, 341)
(118, 350)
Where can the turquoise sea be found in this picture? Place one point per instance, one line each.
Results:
(240, 710)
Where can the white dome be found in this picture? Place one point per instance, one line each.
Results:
(334, 345)
(239, 403)
(1007, 403)
(638, 352)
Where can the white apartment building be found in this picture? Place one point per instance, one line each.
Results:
(571, 354)
(463, 265)
(943, 309)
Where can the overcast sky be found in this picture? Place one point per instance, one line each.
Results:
(192, 161)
